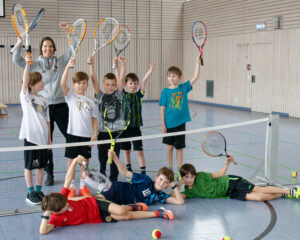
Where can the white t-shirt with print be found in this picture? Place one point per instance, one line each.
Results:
(81, 111)
(34, 126)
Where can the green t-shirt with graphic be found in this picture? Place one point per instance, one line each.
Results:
(207, 187)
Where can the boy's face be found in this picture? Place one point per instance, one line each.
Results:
(132, 85)
(173, 79)
(188, 180)
(109, 85)
(80, 87)
(39, 86)
(161, 182)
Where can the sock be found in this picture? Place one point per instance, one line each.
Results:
(38, 188)
(72, 185)
(157, 213)
(128, 166)
(143, 170)
(170, 167)
(82, 183)
(31, 190)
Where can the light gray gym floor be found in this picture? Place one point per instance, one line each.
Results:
(196, 219)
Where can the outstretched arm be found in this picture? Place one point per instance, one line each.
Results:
(93, 75)
(121, 79)
(122, 169)
(223, 170)
(26, 74)
(197, 70)
(71, 171)
(64, 78)
(146, 77)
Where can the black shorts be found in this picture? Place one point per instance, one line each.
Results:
(103, 209)
(73, 152)
(132, 132)
(177, 141)
(35, 159)
(238, 187)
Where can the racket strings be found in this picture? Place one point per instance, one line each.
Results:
(106, 31)
(199, 33)
(214, 144)
(36, 19)
(77, 33)
(123, 39)
(20, 21)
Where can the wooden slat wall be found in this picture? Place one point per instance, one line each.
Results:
(157, 36)
(233, 42)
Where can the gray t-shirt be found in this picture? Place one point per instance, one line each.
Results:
(114, 114)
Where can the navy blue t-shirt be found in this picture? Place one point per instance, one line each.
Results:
(140, 190)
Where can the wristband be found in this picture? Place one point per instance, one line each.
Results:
(45, 217)
(174, 186)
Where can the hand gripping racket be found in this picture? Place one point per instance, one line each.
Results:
(32, 25)
(20, 23)
(199, 34)
(214, 144)
(122, 41)
(106, 31)
(76, 35)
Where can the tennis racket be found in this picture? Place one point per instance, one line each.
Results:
(199, 34)
(32, 25)
(76, 35)
(114, 119)
(106, 31)
(214, 144)
(20, 23)
(94, 179)
(122, 41)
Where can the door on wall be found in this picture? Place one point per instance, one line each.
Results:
(262, 59)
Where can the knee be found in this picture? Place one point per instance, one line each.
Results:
(123, 210)
(170, 148)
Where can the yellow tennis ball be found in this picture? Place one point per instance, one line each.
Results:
(294, 174)
(226, 238)
(156, 233)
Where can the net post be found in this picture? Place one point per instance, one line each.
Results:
(271, 151)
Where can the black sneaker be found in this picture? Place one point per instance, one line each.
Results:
(33, 198)
(50, 180)
(41, 195)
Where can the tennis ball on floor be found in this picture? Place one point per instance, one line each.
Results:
(156, 233)
(294, 174)
(226, 238)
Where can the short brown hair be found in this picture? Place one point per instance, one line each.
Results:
(186, 169)
(80, 76)
(34, 78)
(110, 76)
(47, 39)
(167, 172)
(131, 76)
(175, 70)
(54, 202)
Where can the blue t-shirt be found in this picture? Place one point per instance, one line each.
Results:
(140, 190)
(176, 103)
(134, 101)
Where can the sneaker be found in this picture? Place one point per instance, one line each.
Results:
(50, 180)
(167, 214)
(139, 207)
(72, 193)
(41, 195)
(85, 191)
(295, 192)
(33, 198)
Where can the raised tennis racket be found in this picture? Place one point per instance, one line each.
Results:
(122, 41)
(106, 31)
(20, 23)
(94, 179)
(32, 25)
(199, 34)
(214, 144)
(76, 35)
(114, 120)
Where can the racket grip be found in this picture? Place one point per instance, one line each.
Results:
(112, 148)
(72, 66)
(16, 46)
(235, 163)
(29, 55)
(201, 59)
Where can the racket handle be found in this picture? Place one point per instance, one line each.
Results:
(16, 46)
(29, 55)
(112, 148)
(72, 66)
(235, 163)
(201, 59)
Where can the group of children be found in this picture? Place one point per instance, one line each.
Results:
(123, 200)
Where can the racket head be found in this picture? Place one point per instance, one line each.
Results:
(77, 33)
(199, 34)
(214, 144)
(106, 31)
(19, 20)
(36, 19)
(123, 39)
(95, 179)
